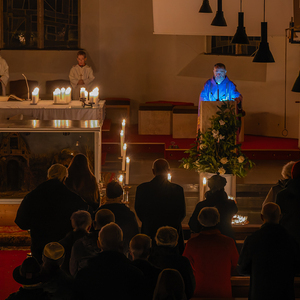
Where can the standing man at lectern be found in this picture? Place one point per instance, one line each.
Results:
(220, 88)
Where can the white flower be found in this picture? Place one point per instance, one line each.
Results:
(221, 137)
(224, 160)
(241, 159)
(186, 166)
(215, 133)
(221, 171)
(203, 146)
(221, 122)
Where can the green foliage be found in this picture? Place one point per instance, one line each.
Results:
(215, 150)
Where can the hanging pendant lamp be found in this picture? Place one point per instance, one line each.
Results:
(205, 8)
(240, 36)
(263, 53)
(219, 19)
(296, 86)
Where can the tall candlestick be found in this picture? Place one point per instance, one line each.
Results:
(127, 170)
(124, 157)
(122, 141)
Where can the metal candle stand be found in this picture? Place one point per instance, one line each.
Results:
(84, 104)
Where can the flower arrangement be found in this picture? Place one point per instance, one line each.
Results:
(216, 150)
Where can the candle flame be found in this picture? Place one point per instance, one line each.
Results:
(121, 178)
(204, 181)
(123, 122)
(169, 176)
(125, 146)
(127, 160)
(35, 91)
(121, 133)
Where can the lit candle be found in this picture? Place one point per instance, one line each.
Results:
(56, 95)
(86, 94)
(169, 177)
(94, 96)
(122, 141)
(124, 157)
(203, 188)
(121, 179)
(127, 170)
(123, 126)
(82, 92)
(35, 95)
(68, 94)
(62, 95)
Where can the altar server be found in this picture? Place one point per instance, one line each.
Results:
(81, 75)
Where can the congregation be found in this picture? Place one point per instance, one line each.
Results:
(84, 248)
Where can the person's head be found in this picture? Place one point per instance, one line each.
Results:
(28, 273)
(103, 217)
(166, 236)
(271, 213)
(160, 167)
(81, 220)
(216, 183)
(170, 285)
(286, 171)
(53, 255)
(219, 72)
(81, 58)
(57, 171)
(296, 170)
(140, 246)
(114, 191)
(110, 238)
(209, 217)
(79, 167)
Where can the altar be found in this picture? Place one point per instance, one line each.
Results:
(21, 116)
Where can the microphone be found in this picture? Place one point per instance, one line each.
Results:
(28, 99)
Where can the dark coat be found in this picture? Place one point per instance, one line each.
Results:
(151, 274)
(160, 203)
(226, 207)
(67, 242)
(271, 257)
(168, 257)
(289, 201)
(46, 211)
(29, 294)
(110, 275)
(126, 219)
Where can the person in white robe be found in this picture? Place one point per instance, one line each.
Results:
(81, 75)
(4, 75)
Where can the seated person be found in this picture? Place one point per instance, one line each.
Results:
(124, 217)
(140, 247)
(86, 247)
(28, 275)
(166, 255)
(81, 221)
(110, 274)
(212, 256)
(216, 197)
(81, 75)
(56, 282)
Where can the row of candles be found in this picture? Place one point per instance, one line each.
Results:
(64, 95)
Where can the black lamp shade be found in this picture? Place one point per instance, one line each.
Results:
(296, 86)
(263, 53)
(205, 8)
(219, 19)
(240, 36)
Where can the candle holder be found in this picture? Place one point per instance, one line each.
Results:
(84, 103)
(126, 189)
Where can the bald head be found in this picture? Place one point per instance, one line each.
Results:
(160, 167)
(271, 213)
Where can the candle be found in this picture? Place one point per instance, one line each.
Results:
(94, 96)
(62, 95)
(122, 141)
(203, 188)
(169, 177)
(127, 170)
(123, 126)
(68, 94)
(56, 95)
(86, 94)
(124, 156)
(35, 95)
(82, 94)
(121, 179)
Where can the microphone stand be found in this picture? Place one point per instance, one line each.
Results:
(28, 99)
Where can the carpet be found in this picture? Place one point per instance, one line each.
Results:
(10, 259)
